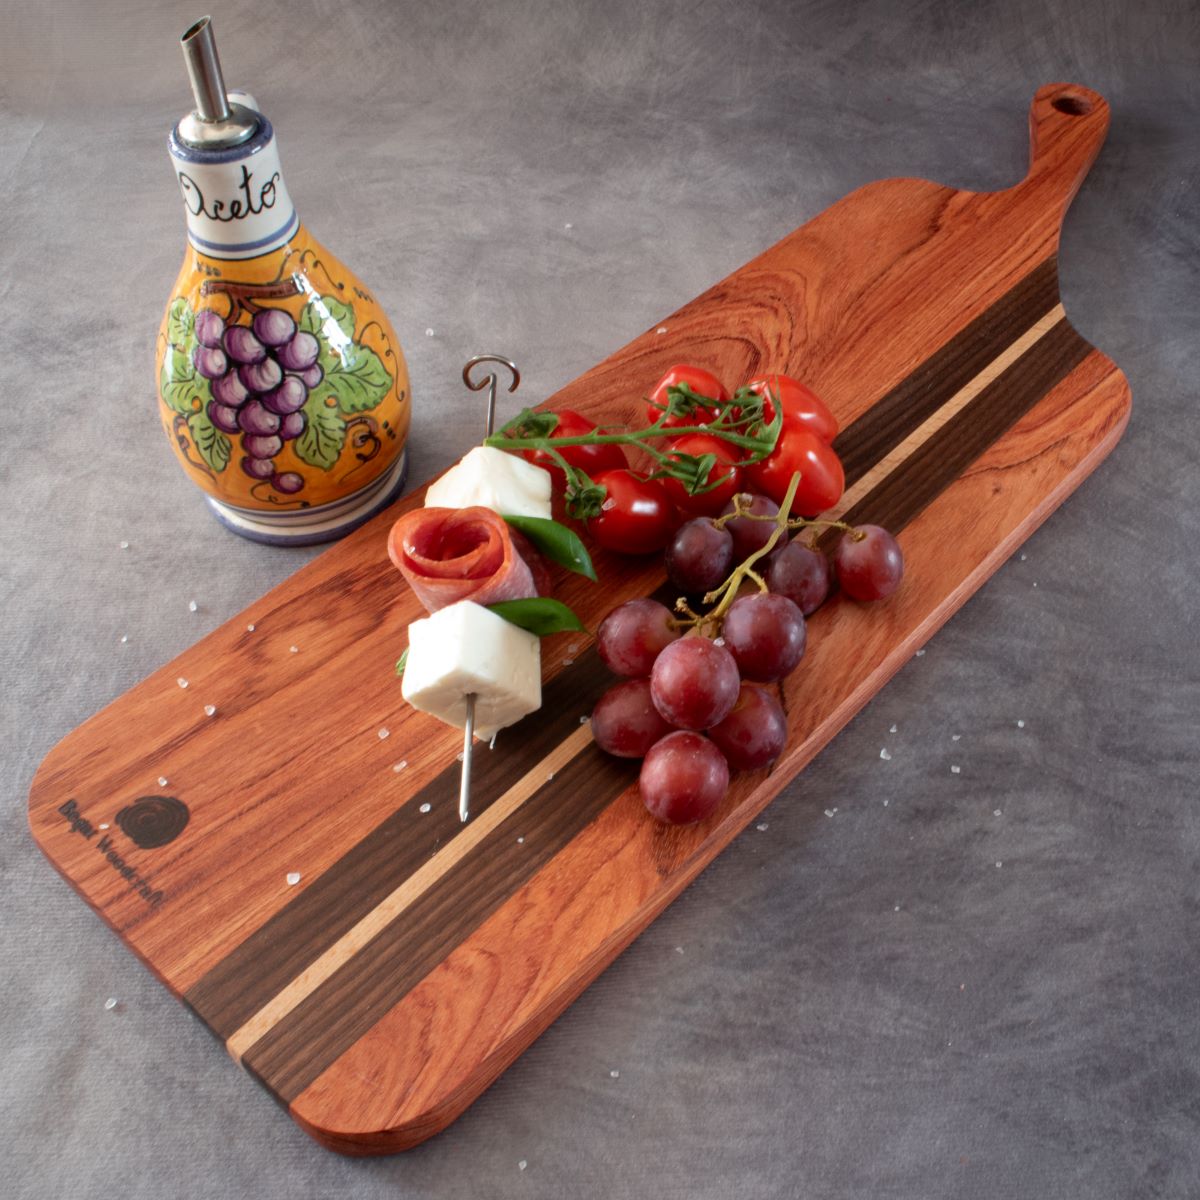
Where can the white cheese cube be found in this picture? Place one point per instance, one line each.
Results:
(466, 648)
(493, 479)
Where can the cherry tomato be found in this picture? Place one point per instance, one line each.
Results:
(636, 518)
(589, 459)
(702, 382)
(802, 407)
(706, 504)
(821, 475)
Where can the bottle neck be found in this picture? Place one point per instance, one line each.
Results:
(235, 199)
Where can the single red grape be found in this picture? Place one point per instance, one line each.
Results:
(630, 637)
(765, 634)
(754, 733)
(868, 562)
(683, 778)
(625, 721)
(694, 683)
(800, 573)
(749, 536)
(699, 557)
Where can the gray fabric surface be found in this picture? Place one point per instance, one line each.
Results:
(863, 1004)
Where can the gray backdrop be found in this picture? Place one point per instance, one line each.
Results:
(863, 1004)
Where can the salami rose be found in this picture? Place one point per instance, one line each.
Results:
(452, 554)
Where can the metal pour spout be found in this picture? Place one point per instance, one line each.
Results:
(204, 70)
(216, 123)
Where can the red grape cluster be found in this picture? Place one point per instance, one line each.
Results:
(692, 707)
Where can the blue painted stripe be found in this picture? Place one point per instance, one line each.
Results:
(237, 247)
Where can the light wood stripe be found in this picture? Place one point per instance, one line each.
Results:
(955, 404)
(403, 896)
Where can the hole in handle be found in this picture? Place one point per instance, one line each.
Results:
(1073, 106)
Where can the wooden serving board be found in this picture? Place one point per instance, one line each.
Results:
(415, 958)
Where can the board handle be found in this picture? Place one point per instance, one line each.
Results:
(1067, 127)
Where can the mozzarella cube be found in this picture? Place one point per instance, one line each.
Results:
(466, 648)
(493, 479)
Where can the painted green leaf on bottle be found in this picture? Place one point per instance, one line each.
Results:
(359, 381)
(211, 444)
(331, 322)
(540, 614)
(324, 435)
(183, 390)
(181, 322)
(556, 542)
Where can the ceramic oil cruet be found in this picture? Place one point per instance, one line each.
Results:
(281, 384)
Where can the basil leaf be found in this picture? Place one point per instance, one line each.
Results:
(540, 615)
(557, 543)
(402, 662)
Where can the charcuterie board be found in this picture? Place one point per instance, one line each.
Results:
(303, 883)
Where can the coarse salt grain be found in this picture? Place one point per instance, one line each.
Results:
(661, 329)
(182, 682)
(999, 864)
(954, 737)
(250, 628)
(429, 333)
(124, 638)
(893, 730)
(995, 812)
(384, 732)
(293, 878)
(210, 710)
(103, 824)
(520, 841)
(193, 606)
(123, 545)
(920, 653)
(885, 754)
(763, 827)
(398, 767)
(1020, 724)
(614, 1074)
(956, 770)
(830, 811)
(162, 781)
(425, 807)
(294, 649)
(522, 1165)
(110, 1003)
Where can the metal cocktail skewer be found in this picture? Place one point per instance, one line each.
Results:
(488, 381)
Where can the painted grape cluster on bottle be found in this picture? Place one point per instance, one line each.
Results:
(267, 382)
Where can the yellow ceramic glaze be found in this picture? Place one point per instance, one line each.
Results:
(355, 419)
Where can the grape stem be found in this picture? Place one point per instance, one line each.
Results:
(709, 623)
(723, 596)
